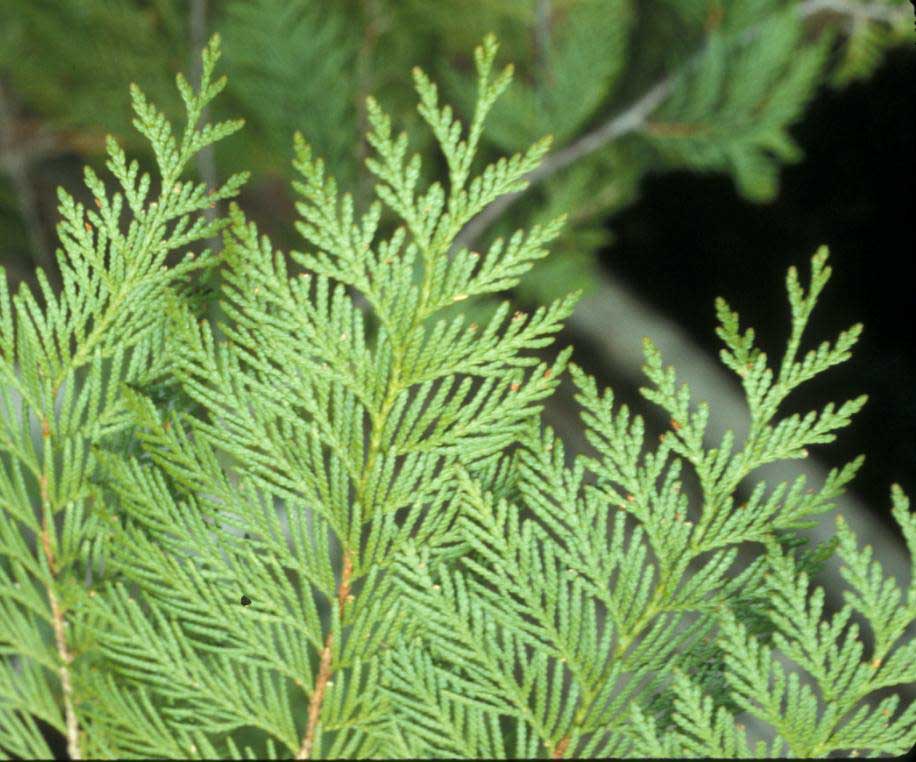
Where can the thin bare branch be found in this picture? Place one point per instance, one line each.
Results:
(634, 117)
(542, 18)
(59, 624)
(630, 119)
(874, 11)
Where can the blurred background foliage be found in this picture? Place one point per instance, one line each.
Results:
(735, 75)
(693, 106)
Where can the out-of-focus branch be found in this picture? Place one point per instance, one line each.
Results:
(634, 116)
(542, 14)
(874, 11)
(16, 165)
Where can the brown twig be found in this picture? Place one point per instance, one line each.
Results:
(58, 623)
(325, 668)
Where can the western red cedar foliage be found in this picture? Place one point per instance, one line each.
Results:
(337, 525)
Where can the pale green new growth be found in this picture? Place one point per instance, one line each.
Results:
(340, 528)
